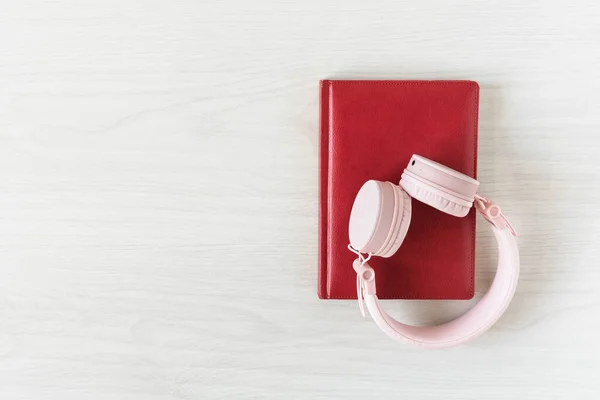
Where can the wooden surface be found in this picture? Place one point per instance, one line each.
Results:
(158, 198)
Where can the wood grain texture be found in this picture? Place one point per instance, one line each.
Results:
(158, 198)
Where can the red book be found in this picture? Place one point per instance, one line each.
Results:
(369, 130)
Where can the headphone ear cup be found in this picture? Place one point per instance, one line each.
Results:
(403, 212)
(435, 198)
(379, 218)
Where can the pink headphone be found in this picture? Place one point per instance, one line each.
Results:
(379, 222)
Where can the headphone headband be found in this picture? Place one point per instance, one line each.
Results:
(471, 324)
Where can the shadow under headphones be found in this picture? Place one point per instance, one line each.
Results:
(379, 222)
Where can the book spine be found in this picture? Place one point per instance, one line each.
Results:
(322, 290)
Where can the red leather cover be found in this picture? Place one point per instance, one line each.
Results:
(369, 130)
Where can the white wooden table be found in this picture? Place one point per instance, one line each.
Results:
(158, 198)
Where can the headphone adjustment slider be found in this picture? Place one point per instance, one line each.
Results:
(493, 214)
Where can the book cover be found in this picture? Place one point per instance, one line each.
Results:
(369, 129)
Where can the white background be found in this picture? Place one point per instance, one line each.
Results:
(158, 198)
